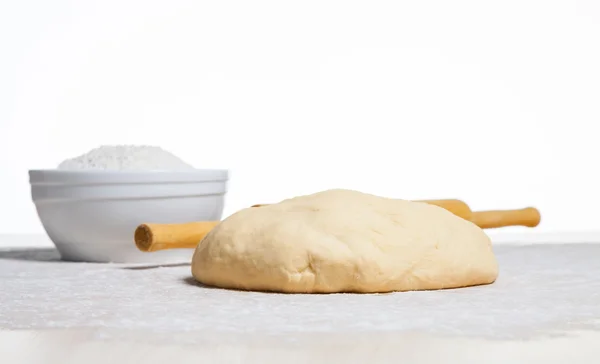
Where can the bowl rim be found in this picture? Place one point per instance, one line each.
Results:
(58, 176)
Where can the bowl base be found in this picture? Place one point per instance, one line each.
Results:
(117, 253)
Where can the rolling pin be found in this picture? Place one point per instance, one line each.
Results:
(529, 217)
(154, 237)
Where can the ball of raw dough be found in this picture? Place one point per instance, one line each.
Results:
(344, 241)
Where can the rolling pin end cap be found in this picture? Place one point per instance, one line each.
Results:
(143, 238)
(536, 217)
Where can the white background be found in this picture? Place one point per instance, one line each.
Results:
(494, 102)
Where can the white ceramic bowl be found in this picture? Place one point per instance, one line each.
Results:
(92, 215)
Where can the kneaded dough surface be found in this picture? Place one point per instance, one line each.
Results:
(344, 241)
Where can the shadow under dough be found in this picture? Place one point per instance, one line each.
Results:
(190, 281)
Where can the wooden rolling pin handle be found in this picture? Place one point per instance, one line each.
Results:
(529, 217)
(153, 237)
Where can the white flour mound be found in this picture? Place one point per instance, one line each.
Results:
(126, 157)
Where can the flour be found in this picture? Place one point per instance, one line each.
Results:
(126, 157)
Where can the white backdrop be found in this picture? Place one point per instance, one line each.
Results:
(495, 103)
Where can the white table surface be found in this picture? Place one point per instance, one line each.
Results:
(49, 343)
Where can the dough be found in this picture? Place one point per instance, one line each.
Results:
(344, 241)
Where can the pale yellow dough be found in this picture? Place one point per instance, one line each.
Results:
(344, 241)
